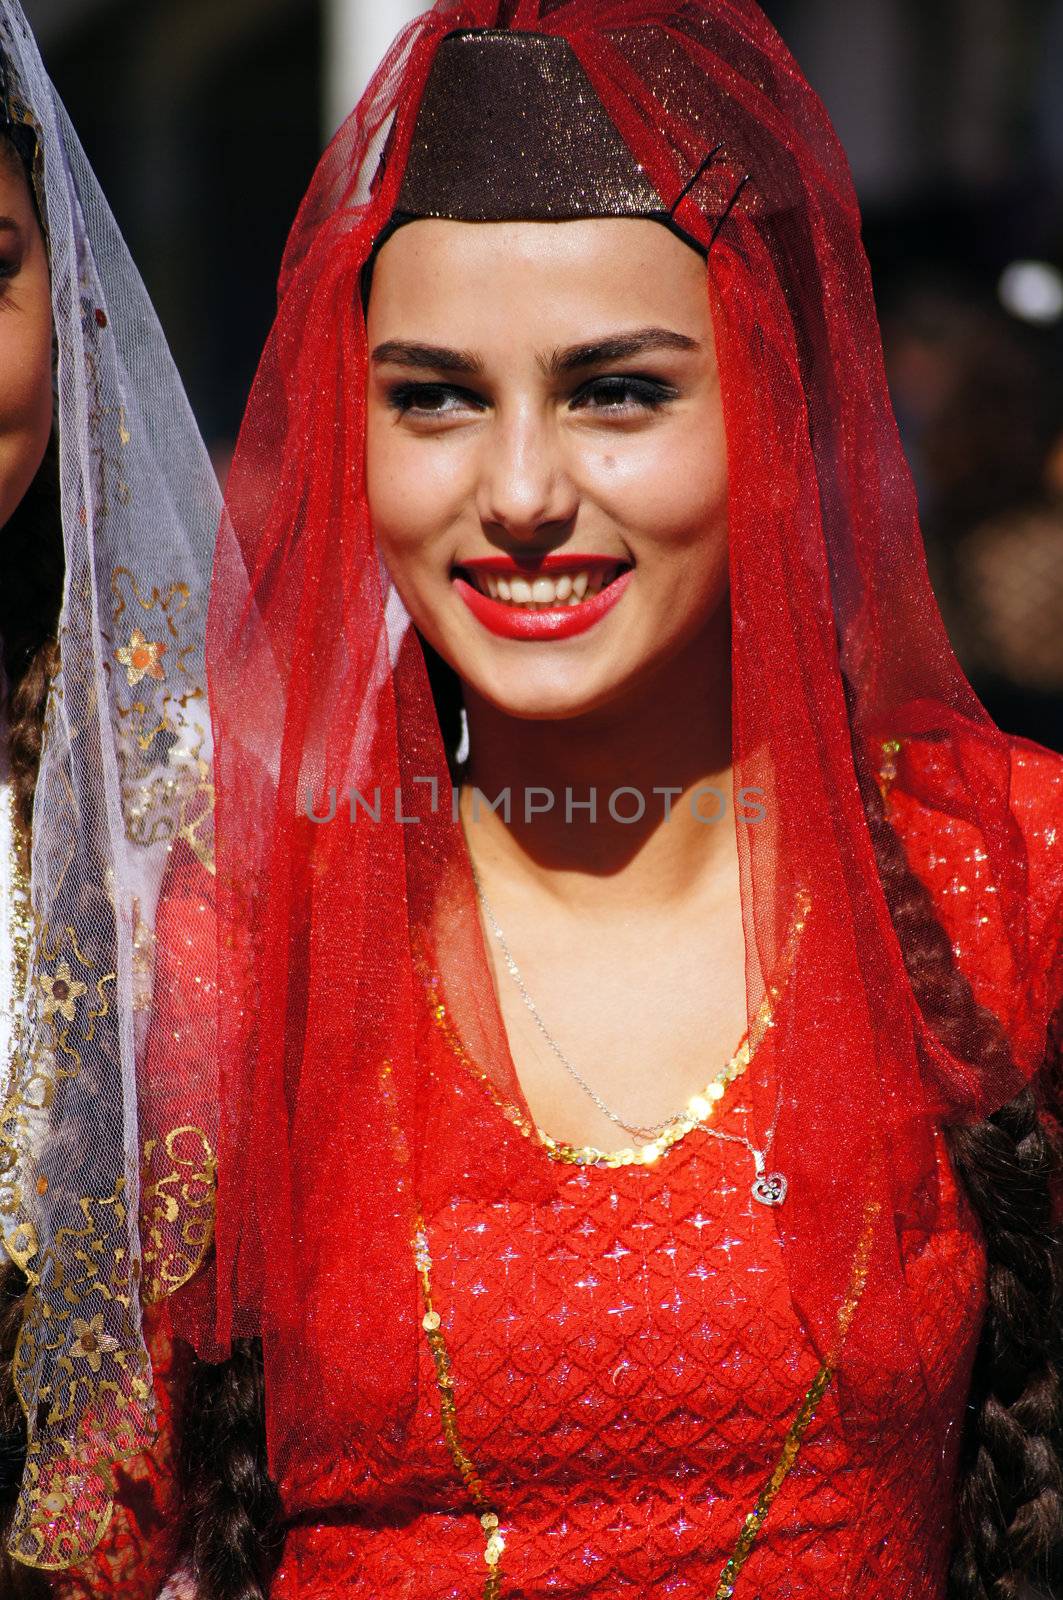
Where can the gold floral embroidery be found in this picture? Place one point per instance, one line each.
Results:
(142, 656)
(19, 909)
(90, 1342)
(163, 744)
(77, 1314)
(103, 1389)
(42, 1058)
(61, 989)
(177, 1209)
(79, 1366)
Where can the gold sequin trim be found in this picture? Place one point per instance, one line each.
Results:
(806, 1412)
(700, 1107)
(494, 1542)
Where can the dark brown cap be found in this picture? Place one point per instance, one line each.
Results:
(510, 129)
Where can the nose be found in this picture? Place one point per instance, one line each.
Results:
(525, 485)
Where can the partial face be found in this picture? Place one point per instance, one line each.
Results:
(25, 337)
(545, 419)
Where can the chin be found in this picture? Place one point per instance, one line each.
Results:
(548, 696)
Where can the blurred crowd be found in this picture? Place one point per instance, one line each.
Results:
(979, 400)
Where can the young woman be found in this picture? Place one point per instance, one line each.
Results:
(97, 453)
(627, 1004)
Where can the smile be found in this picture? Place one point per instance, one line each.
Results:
(536, 606)
(570, 588)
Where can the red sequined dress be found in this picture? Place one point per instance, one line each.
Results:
(617, 1397)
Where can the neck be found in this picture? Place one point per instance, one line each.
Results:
(671, 732)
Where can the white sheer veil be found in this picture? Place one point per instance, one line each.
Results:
(124, 773)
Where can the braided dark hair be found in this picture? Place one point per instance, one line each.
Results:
(231, 1533)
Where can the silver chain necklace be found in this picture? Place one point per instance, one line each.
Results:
(767, 1187)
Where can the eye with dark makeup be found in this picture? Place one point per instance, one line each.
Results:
(619, 392)
(12, 252)
(431, 399)
(615, 393)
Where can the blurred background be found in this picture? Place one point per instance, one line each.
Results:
(204, 121)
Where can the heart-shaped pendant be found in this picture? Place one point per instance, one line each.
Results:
(769, 1188)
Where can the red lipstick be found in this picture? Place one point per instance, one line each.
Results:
(555, 622)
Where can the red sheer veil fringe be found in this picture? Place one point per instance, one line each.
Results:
(330, 1132)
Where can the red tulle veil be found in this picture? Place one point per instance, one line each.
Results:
(305, 1061)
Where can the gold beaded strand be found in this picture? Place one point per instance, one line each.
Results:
(430, 1322)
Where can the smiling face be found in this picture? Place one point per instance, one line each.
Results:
(25, 337)
(545, 421)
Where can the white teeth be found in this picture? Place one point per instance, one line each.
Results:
(569, 589)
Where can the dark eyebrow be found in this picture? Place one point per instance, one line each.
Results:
(617, 347)
(9, 225)
(426, 357)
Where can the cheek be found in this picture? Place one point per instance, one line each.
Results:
(668, 491)
(25, 395)
(414, 489)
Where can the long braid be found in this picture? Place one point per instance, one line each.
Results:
(1011, 1494)
(231, 1529)
(1011, 1499)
